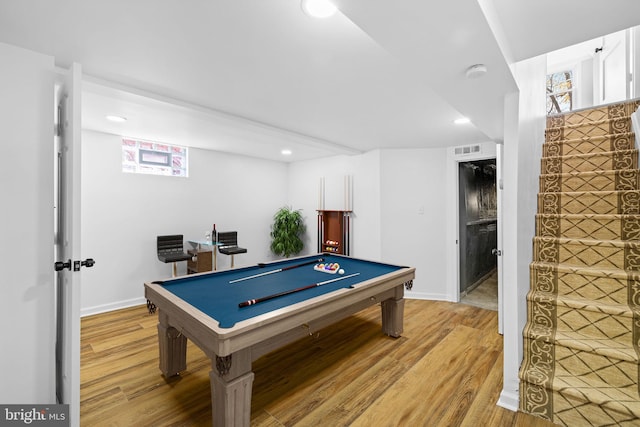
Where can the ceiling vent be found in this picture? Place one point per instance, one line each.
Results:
(469, 149)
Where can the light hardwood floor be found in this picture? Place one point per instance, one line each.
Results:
(445, 370)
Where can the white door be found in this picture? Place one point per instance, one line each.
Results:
(27, 309)
(611, 73)
(67, 239)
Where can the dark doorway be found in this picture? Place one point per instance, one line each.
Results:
(478, 232)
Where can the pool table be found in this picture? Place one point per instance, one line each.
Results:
(206, 308)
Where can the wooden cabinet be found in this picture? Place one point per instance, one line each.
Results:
(334, 229)
(200, 261)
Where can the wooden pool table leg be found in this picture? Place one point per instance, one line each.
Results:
(173, 348)
(392, 316)
(231, 386)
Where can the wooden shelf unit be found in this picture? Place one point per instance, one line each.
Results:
(334, 229)
(200, 262)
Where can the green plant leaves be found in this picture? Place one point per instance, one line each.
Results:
(286, 230)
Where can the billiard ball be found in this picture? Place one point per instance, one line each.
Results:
(341, 271)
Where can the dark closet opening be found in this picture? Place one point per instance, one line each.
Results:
(478, 231)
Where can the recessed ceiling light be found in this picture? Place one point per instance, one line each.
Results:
(462, 121)
(286, 152)
(318, 8)
(117, 119)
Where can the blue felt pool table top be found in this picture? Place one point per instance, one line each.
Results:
(212, 294)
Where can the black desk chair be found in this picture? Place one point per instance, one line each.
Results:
(228, 244)
(170, 249)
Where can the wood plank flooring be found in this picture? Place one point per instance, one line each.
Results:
(445, 370)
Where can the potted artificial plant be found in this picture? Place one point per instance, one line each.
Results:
(288, 227)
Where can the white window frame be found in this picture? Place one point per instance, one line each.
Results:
(154, 158)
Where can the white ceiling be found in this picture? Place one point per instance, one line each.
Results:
(257, 76)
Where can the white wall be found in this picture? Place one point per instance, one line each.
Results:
(123, 213)
(27, 305)
(635, 62)
(391, 189)
(367, 199)
(635, 123)
(584, 91)
(524, 136)
(414, 216)
(304, 182)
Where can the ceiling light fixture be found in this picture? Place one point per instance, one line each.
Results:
(476, 71)
(462, 121)
(286, 152)
(117, 119)
(318, 8)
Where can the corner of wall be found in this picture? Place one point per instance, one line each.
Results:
(635, 122)
(524, 133)
(493, 19)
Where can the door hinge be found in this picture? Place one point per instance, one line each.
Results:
(58, 130)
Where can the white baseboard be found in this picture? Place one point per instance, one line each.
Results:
(89, 311)
(425, 296)
(509, 400)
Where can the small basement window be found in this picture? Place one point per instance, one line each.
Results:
(154, 158)
(560, 90)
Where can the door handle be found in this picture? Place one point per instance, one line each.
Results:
(89, 262)
(61, 265)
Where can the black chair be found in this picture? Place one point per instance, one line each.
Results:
(170, 249)
(228, 244)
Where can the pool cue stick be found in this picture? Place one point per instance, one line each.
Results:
(291, 267)
(303, 288)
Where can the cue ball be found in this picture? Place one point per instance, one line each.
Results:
(341, 271)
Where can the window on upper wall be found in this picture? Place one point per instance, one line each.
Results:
(560, 88)
(154, 158)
